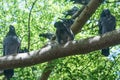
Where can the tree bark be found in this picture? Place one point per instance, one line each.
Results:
(85, 15)
(48, 53)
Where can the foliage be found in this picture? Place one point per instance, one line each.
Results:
(92, 66)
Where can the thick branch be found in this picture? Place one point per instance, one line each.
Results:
(49, 53)
(85, 15)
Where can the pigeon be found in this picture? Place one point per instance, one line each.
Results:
(107, 23)
(11, 45)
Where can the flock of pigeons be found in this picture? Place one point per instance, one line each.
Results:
(11, 43)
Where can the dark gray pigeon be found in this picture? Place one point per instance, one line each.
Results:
(106, 23)
(11, 45)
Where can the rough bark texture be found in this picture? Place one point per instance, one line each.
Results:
(85, 15)
(71, 48)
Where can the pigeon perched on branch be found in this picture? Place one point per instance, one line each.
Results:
(11, 45)
(106, 23)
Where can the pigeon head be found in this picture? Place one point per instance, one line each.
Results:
(105, 12)
(11, 30)
(59, 25)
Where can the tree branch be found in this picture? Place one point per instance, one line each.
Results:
(29, 18)
(48, 53)
(85, 15)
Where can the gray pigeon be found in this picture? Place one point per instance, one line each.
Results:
(11, 45)
(106, 23)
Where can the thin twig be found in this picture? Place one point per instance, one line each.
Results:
(29, 24)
